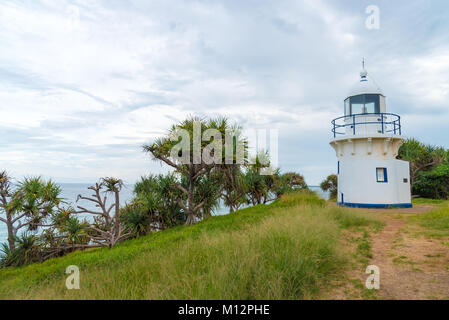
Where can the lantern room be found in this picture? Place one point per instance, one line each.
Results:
(365, 97)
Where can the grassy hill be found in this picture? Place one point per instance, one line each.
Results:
(290, 249)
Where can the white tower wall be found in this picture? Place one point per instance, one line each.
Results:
(366, 144)
(358, 186)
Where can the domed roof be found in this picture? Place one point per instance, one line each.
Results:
(365, 85)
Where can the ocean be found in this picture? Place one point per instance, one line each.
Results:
(70, 192)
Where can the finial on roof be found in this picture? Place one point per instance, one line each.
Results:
(363, 73)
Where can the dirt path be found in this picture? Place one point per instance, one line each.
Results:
(411, 266)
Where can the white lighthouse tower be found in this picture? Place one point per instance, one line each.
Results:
(366, 140)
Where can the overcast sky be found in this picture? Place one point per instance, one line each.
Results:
(83, 84)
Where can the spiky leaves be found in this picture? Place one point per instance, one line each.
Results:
(194, 148)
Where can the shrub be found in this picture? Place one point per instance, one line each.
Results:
(155, 206)
(27, 250)
(433, 184)
(330, 184)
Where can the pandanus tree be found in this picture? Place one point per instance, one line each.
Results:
(64, 234)
(155, 206)
(258, 178)
(264, 184)
(194, 148)
(209, 188)
(107, 228)
(27, 250)
(234, 187)
(232, 177)
(26, 205)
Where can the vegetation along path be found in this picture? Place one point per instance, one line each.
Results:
(412, 251)
(413, 260)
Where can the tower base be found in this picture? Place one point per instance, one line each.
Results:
(376, 206)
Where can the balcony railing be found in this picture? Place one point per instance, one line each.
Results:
(385, 123)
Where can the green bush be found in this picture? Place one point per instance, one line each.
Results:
(330, 184)
(433, 184)
(27, 251)
(155, 206)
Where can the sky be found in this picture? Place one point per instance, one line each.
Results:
(84, 84)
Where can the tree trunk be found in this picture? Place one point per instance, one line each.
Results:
(190, 219)
(11, 233)
(117, 213)
(259, 198)
(190, 205)
(231, 202)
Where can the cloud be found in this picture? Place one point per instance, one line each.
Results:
(84, 83)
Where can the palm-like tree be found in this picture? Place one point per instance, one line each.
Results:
(27, 205)
(155, 206)
(256, 186)
(234, 187)
(27, 250)
(209, 191)
(75, 231)
(114, 185)
(184, 150)
(106, 229)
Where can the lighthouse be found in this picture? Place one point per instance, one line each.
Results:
(366, 141)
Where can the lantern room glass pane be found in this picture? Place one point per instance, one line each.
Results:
(370, 107)
(347, 107)
(364, 103)
(357, 105)
(372, 103)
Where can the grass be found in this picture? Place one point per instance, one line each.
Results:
(436, 222)
(430, 201)
(286, 250)
(364, 247)
(351, 219)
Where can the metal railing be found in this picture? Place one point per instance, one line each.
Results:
(388, 123)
